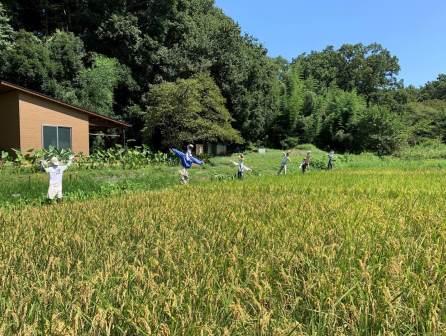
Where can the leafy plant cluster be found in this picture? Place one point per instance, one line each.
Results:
(118, 156)
(129, 158)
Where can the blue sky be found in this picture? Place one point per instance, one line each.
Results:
(413, 30)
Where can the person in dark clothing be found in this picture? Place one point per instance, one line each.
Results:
(330, 160)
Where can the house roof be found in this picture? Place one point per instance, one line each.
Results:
(94, 117)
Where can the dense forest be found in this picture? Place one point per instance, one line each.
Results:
(181, 71)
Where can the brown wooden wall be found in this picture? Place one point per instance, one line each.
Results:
(9, 121)
(36, 112)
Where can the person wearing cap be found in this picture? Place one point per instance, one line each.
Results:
(189, 149)
(241, 167)
(284, 164)
(186, 161)
(306, 162)
(55, 170)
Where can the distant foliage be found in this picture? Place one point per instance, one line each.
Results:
(112, 57)
(6, 31)
(127, 158)
(435, 89)
(188, 111)
(363, 68)
(428, 150)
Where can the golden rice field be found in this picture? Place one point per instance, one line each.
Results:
(355, 252)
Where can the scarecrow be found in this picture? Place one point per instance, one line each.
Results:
(241, 167)
(187, 160)
(55, 169)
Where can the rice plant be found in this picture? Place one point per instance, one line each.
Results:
(354, 252)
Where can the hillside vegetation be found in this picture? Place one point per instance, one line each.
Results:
(181, 71)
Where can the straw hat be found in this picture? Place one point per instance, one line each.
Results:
(55, 161)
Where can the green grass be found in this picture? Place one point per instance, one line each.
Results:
(350, 252)
(429, 150)
(24, 188)
(20, 188)
(30, 188)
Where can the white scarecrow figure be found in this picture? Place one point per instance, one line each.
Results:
(284, 163)
(55, 169)
(241, 167)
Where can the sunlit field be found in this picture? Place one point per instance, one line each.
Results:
(348, 252)
(23, 186)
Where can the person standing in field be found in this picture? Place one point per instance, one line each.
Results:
(284, 164)
(330, 160)
(186, 161)
(55, 170)
(241, 167)
(305, 165)
(184, 173)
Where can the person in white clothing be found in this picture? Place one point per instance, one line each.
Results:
(55, 170)
(189, 155)
(241, 168)
(284, 164)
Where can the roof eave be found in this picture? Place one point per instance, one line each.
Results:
(119, 124)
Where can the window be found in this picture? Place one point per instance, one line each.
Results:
(64, 137)
(49, 137)
(57, 137)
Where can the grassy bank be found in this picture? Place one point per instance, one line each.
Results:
(23, 188)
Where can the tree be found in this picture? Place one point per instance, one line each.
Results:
(66, 51)
(56, 67)
(6, 31)
(435, 89)
(278, 87)
(379, 130)
(27, 62)
(164, 41)
(295, 99)
(298, 116)
(322, 66)
(97, 84)
(426, 120)
(122, 30)
(339, 119)
(397, 99)
(320, 97)
(187, 111)
(93, 88)
(246, 77)
(365, 69)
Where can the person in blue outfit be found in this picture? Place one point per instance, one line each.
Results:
(187, 160)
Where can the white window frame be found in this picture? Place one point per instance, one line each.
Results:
(57, 133)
